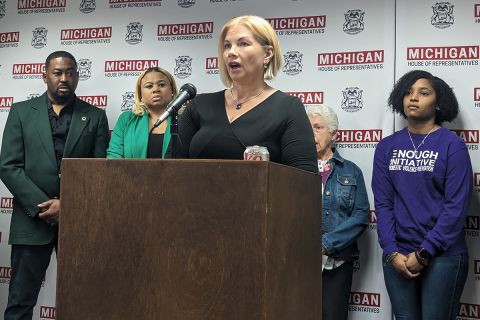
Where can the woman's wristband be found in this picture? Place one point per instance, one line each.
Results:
(423, 257)
(389, 258)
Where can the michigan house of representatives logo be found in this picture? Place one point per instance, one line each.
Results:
(95, 35)
(293, 63)
(134, 33)
(84, 69)
(28, 70)
(352, 99)
(211, 65)
(40, 6)
(311, 98)
(127, 68)
(472, 226)
(442, 15)
(6, 205)
(183, 67)
(298, 25)
(5, 105)
(127, 103)
(359, 139)
(358, 60)
(47, 313)
(368, 302)
(39, 39)
(97, 101)
(471, 137)
(468, 311)
(9, 39)
(354, 21)
(185, 31)
(87, 6)
(447, 56)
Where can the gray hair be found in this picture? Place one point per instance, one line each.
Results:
(325, 112)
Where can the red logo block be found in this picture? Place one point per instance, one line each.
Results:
(98, 101)
(343, 58)
(366, 299)
(471, 311)
(443, 53)
(28, 68)
(476, 266)
(47, 312)
(9, 37)
(129, 65)
(184, 29)
(468, 136)
(372, 135)
(315, 97)
(6, 203)
(293, 23)
(476, 94)
(372, 217)
(211, 63)
(6, 102)
(5, 272)
(41, 4)
(86, 33)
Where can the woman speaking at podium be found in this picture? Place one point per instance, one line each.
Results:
(249, 112)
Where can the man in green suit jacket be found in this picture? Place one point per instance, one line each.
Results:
(38, 134)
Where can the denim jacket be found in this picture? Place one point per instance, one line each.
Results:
(345, 208)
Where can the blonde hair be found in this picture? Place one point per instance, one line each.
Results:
(264, 34)
(139, 107)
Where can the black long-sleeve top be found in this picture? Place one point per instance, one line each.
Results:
(279, 123)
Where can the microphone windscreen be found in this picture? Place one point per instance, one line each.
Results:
(190, 89)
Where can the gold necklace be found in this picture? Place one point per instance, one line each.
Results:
(238, 104)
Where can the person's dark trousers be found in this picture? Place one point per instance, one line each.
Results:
(29, 264)
(336, 286)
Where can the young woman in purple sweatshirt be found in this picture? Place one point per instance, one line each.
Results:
(422, 182)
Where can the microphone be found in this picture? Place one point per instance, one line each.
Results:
(187, 92)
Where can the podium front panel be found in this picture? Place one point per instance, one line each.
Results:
(177, 239)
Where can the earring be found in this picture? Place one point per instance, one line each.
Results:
(437, 108)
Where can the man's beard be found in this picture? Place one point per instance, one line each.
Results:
(62, 98)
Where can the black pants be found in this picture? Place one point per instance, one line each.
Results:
(336, 286)
(29, 264)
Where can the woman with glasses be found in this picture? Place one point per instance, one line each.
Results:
(133, 136)
(345, 210)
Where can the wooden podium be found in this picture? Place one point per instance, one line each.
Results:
(188, 239)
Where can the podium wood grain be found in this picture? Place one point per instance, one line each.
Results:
(188, 239)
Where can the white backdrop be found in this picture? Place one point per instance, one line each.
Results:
(346, 54)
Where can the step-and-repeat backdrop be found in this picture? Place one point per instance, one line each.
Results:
(345, 54)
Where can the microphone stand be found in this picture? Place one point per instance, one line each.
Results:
(174, 133)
